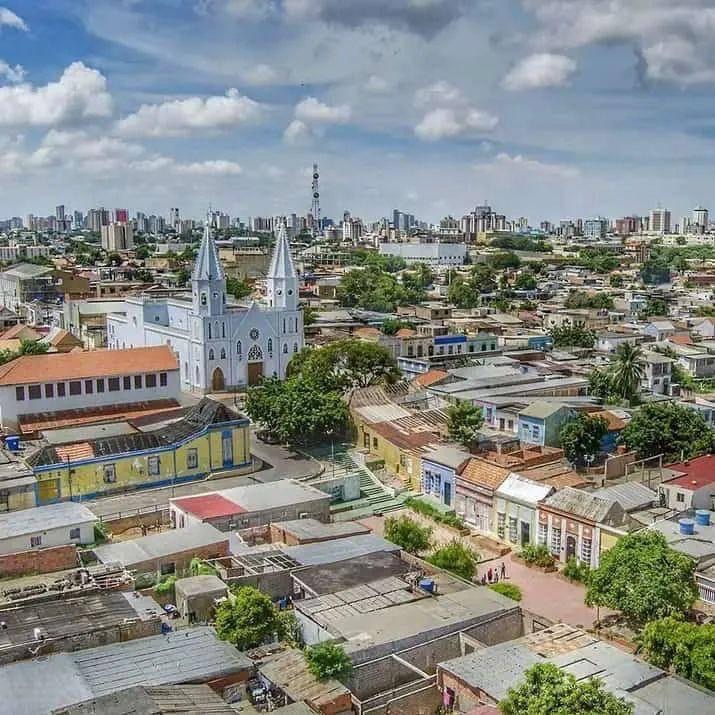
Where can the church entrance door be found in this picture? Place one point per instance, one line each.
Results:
(255, 372)
(218, 382)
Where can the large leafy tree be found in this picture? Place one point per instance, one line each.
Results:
(457, 558)
(572, 336)
(328, 660)
(407, 534)
(581, 437)
(247, 618)
(238, 288)
(375, 289)
(668, 428)
(644, 578)
(465, 293)
(583, 299)
(464, 420)
(627, 372)
(683, 648)
(548, 690)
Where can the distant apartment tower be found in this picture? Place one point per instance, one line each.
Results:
(174, 217)
(595, 228)
(659, 221)
(60, 212)
(627, 225)
(78, 220)
(701, 219)
(121, 216)
(117, 237)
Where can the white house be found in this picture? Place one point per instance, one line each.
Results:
(219, 346)
(56, 382)
(516, 502)
(609, 342)
(657, 373)
(46, 526)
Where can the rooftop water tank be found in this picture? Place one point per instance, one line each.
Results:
(702, 517)
(687, 527)
(427, 584)
(12, 443)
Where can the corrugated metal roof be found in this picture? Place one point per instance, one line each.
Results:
(580, 504)
(632, 495)
(522, 489)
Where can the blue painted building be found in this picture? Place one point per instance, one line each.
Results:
(440, 465)
(540, 423)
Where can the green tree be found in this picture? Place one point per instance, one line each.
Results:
(525, 281)
(456, 558)
(572, 336)
(668, 428)
(654, 306)
(407, 534)
(644, 578)
(328, 661)
(391, 325)
(238, 288)
(600, 384)
(33, 347)
(547, 690)
(593, 301)
(581, 437)
(309, 315)
(372, 288)
(114, 259)
(655, 270)
(502, 261)
(683, 648)
(142, 253)
(628, 369)
(247, 618)
(465, 293)
(464, 420)
(615, 280)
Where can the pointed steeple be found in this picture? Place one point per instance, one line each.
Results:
(282, 262)
(207, 266)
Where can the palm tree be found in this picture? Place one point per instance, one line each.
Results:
(628, 370)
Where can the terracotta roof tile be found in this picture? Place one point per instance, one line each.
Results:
(483, 473)
(76, 366)
(405, 333)
(431, 377)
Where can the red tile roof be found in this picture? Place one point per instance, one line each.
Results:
(697, 473)
(680, 339)
(430, 378)
(76, 366)
(208, 506)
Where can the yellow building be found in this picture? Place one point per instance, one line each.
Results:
(210, 437)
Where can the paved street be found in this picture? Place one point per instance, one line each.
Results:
(280, 464)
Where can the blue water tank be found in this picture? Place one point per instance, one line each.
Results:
(687, 527)
(427, 584)
(702, 517)
(12, 443)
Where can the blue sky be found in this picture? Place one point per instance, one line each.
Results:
(546, 108)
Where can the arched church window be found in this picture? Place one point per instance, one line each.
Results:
(209, 330)
(186, 370)
(284, 325)
(198, 375)
(204, 299)
(290, 291)
(216, 329)
(223, 354)
(212, 355)
(295, 347)
(239, 350)
(255, 354)
(223, 330)
(270, 346)
(285, 348)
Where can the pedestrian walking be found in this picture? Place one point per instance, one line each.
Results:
(503, 571)
(489, 575)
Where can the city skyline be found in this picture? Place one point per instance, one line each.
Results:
(544, 111)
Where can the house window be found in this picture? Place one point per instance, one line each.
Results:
(586, 550)
(49, 390)
(20, 393)
(212, 356)
(163, 378)
(137, 382)
(192, 458)
(535, 432)
(151, 380)
(153, 466)
(285, 348)
(168, 568)
(34, 392)
(501, 523)
(680, 497)
(100, 385)
(543, 534)
(512, 529)
(4, 500)
(75, 387)
(555, 541)
(203, 299)
(88, 387)
(110, 473)
(75, 534)
(270, 346)
(127, 382)
(223, 354)
(60, 389)
(374, 442)
(35, 541)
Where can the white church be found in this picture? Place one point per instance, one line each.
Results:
(219, 346)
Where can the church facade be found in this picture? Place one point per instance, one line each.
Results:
(219, 346)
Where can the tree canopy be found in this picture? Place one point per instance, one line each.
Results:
(582, 299)
(375, 289)
(328, 660)
(683, 648)
(572, 336)
(581, 437)
(456, 558)
(627, 371)
(547, 690)
(238, 288)
(464, 420)
(407, 534)
(247, 618)
(465, 293)
(668, 428)
(644, 578)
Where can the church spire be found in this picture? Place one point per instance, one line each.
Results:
(282, 262)
(282, 279)
(207, 266)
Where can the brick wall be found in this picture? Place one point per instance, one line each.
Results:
(55, 558)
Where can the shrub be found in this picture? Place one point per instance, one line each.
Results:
(165, 586)
(575, 570)
(537, 555)
(199, 567)
(407, 533)
(328, 660)
(422, 507)
(457, 558)
(509, 590)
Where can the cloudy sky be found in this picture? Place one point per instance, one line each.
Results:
(545, 108)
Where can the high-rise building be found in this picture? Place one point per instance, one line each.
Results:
(659, 221)
(121, 216)
(60, 212)
(156, 224)
(595, 228)
(174, 218)
(78, 220)
(117, 237)
(701, 219)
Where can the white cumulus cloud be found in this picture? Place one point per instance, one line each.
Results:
(80, 93)
(10, 19)
(539, 70)
(297, 132)
(12, 74)
(312, 110)
(518, 165)
(183, 116)
(214, 167)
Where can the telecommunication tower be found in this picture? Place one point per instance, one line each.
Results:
(315, 206)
